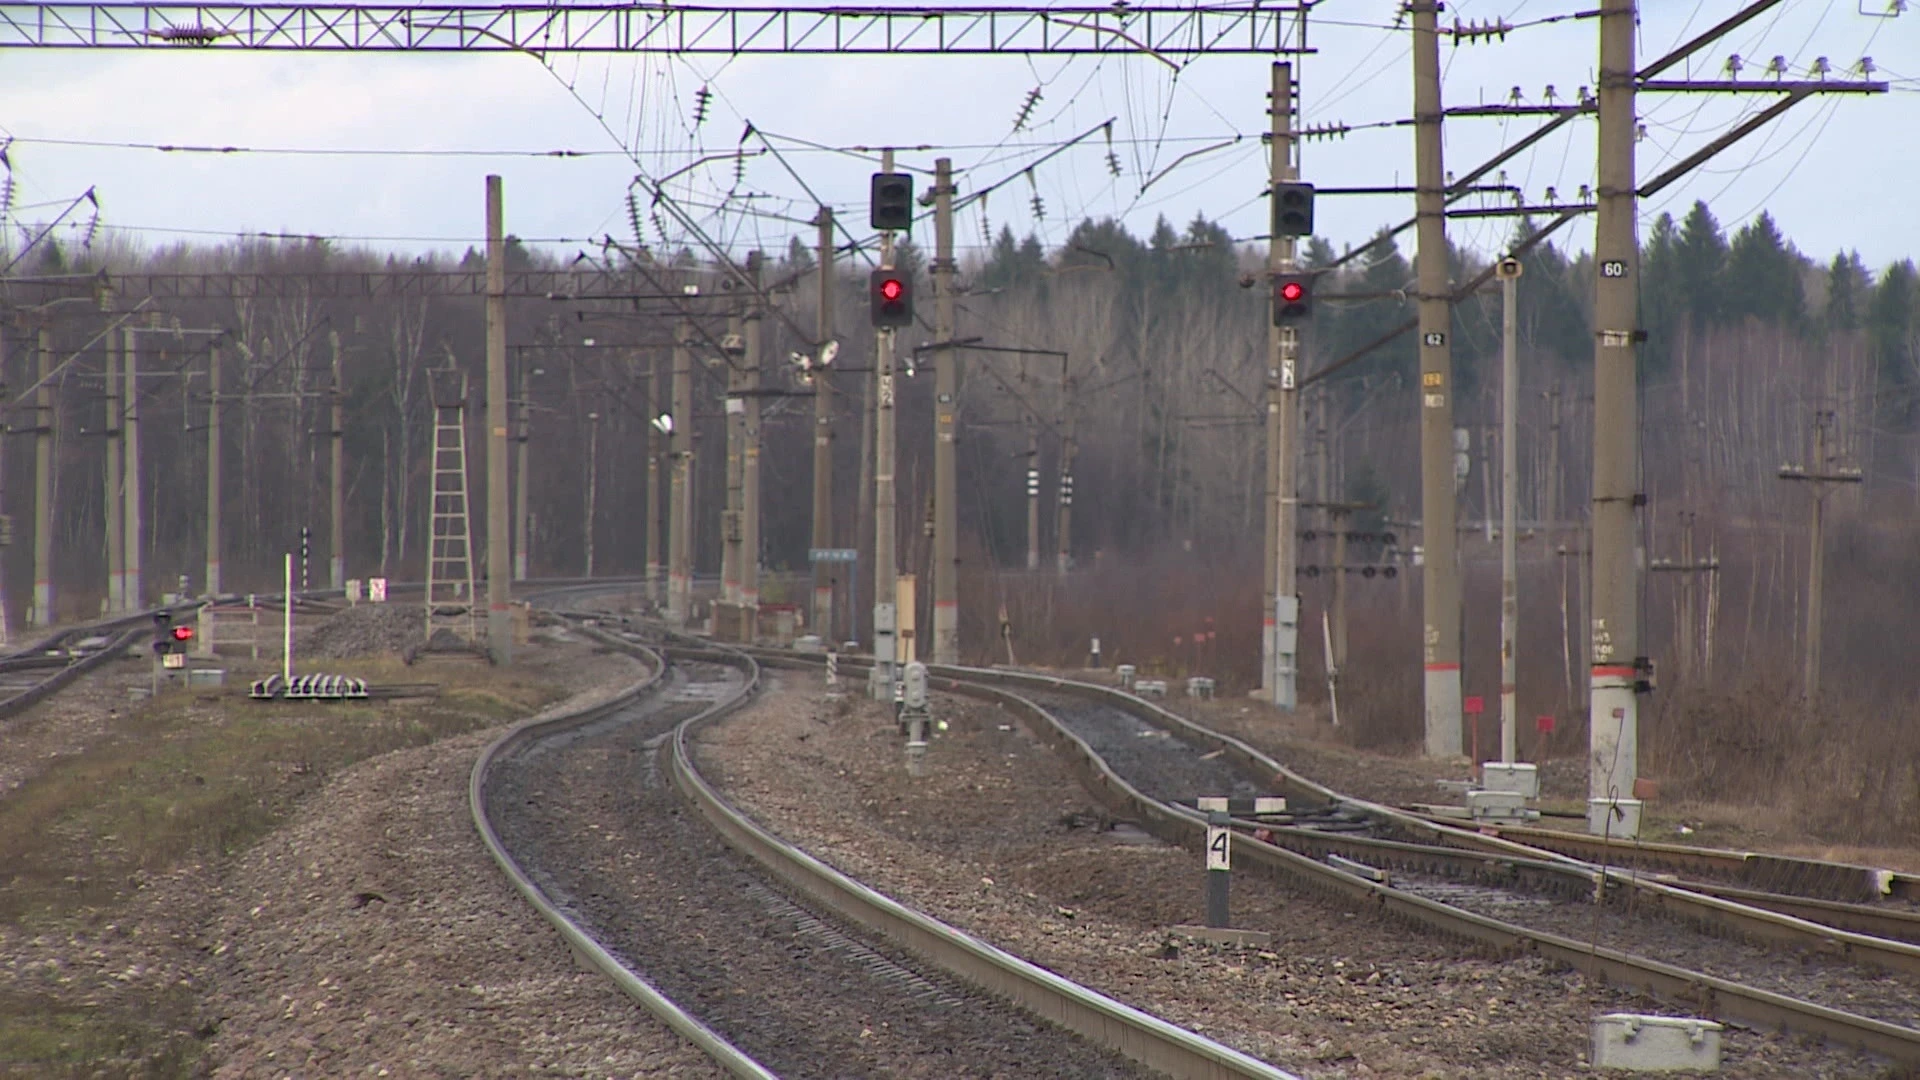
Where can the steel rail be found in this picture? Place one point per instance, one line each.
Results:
(1186, 827)
(1834, 880)
(1147, 1039)
(1753, 922)
(590, 951)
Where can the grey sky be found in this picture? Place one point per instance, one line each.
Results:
(1834, 171)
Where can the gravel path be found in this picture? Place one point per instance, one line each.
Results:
(999, 840)
(605, 832)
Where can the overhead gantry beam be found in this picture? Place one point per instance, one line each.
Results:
(656, 28)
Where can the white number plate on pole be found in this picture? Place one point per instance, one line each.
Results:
(377, 590)
(1219, 856)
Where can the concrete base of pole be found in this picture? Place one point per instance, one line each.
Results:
(500, 635)
(1613, 746)
(1443, 710)
(946, 633)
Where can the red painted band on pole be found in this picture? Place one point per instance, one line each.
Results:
(1443, 667)
(946, 603)
(1601, 671)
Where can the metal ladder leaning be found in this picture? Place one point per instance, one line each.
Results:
(450, 548)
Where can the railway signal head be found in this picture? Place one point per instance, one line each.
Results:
(182, 634)
(890, 294)
(162, 631)
(1293, 209)
(1292, 299)
(891, 208)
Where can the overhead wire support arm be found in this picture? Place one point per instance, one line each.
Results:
(726, 30)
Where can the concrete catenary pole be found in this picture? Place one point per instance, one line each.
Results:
(731, 525)
(822, 621)
(590, 513)
(1441, 580)
(43, 480)
(655, 502)
(133, 516)
(213, 470)
(1280, 622)
(1033, 492)
(680, 501)
(1613, 722)
(499, 539)
(337, 473)
(946, 394)
(656, 505)
(116, 535)
(750, 464)
(885, 573)
(522, 510)
(1509, 506)
(1063, 523)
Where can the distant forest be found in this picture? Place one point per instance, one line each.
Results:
(1161, 393)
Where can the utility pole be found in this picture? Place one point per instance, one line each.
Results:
(499, 541)
(885, 572)
(1821, 473)
(1694, 643)
(1509, 271)
(1281, 629)
(135, 592)
(750, 467)
(43, 480)
(590, 513)
(1063, 527)
(116, 536)
(680, 502)
(522, 512)
(213, 469)
(946, 392)
(823, 433)
(337, 473)
(655, 447)
(732, 348)
(1033, 492)
(1613, 721)
(1440, 583)
(1552, 515)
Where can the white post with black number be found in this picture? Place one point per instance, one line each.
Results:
(1219, 867)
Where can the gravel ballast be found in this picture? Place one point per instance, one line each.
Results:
(999, 840)
(599, 825)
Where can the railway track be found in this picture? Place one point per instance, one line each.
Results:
(1464, 887)
(790, 967)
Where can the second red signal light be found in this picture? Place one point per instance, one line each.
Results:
(890, 293)
(1292, 299)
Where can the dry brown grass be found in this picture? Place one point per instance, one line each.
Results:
(188, 779)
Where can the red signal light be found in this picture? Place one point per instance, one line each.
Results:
(1292, 291)
(183, 633)
(891, 289)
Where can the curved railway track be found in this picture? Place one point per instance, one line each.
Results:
(761, 955)
(1449, 855)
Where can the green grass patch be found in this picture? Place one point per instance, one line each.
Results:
(181, 780)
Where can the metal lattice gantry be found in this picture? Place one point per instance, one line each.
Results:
(658, 28)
